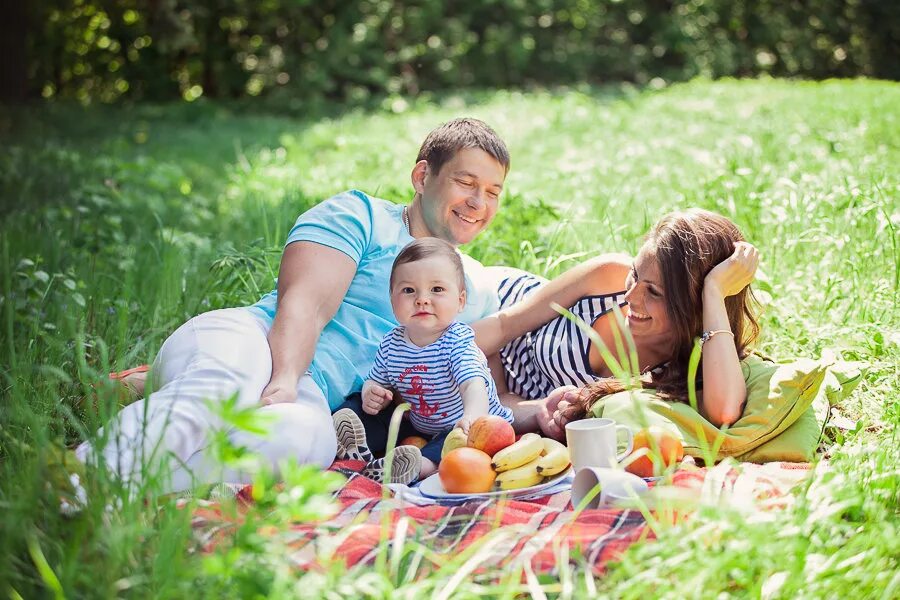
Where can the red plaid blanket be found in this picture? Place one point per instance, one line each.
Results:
(529, 532)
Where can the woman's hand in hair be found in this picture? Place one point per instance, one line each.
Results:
(735, 272)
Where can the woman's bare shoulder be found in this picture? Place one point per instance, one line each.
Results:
(606, 273)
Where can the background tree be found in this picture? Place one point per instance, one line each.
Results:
(302, 51)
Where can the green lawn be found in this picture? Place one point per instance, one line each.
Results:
(120, 223)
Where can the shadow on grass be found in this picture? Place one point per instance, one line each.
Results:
(54, 148)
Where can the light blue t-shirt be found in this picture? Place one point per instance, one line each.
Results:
(371, 232)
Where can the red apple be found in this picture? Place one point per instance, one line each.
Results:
(491, 434)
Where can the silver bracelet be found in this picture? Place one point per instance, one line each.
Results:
(707, 335)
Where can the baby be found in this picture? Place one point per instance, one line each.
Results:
(430, 360)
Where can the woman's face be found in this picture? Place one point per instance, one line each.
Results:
(646, 299)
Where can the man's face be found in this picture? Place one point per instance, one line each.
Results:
(461, 199)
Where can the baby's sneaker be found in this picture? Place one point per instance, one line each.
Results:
(351, 436)
(405, 467)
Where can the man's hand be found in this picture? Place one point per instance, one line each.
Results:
(375, 397)
(278, 393)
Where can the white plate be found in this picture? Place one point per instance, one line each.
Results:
(431, 487)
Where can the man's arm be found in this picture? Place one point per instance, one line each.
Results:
(312, 282)
(604, 274)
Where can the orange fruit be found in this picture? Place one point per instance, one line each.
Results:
(669, 451)
(466, 471)
(413, 440)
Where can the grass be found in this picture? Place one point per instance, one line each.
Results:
(120, 223)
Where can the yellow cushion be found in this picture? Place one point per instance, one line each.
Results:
(787, 406)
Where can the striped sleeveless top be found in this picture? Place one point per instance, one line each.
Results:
(555, 354)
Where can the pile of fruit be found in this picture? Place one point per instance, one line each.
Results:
(491, 457)
(655, 450)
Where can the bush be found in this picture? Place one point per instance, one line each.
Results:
(304, 50)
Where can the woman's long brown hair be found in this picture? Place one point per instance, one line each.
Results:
(687, 245)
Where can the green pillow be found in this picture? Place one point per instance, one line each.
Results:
(799, 441)
(787, 405)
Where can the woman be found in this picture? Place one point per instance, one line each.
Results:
(690, 279)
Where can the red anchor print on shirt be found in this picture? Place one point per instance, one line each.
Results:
(416, 388)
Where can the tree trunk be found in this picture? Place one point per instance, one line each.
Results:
(13, 51)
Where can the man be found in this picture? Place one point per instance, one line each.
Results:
(305, 346)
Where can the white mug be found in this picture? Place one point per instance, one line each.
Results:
(615, 486)
(592, 443)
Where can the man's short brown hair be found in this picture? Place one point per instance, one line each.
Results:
(443, 143)
(427, 247)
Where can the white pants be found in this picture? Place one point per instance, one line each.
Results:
(207, 360)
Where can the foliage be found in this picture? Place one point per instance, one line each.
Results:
(156, 213)
(302, 53)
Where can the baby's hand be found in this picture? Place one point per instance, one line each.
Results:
(464, 424)
(375, 397)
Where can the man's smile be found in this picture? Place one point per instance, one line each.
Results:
(469, 220)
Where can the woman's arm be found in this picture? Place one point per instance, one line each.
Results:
(526, 413)
(312, 282)
(724, 388)
(604, 274)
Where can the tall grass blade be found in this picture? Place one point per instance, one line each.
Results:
(393, 432)
(44, 569)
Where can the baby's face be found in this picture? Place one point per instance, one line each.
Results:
(426, 296)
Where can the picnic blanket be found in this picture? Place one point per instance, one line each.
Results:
(524, 533)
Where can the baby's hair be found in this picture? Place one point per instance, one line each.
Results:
(427, 247)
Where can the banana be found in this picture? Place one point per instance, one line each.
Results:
(554, 459)
(523, 476)
(550, 444)
(524, 451)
